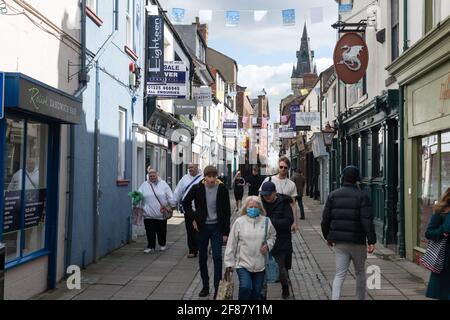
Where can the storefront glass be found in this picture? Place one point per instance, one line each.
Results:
(429, 183)
(25, 179)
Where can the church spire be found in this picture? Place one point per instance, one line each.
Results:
(304, 55)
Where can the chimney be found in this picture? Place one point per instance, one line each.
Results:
(203, 29)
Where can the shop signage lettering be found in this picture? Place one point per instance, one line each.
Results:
(156, 46)
(40, 100)
(203, 96)
(2, 94)
(307, 119)
(172, 90)
(183, 106)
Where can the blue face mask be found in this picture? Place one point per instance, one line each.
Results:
(253, 212)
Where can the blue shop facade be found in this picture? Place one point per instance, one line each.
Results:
(30, 141)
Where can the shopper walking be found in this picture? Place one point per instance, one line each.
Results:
(247, 247)
(347, 225)
(299, 181)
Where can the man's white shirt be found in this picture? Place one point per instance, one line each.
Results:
(182, 188)
(284, 186)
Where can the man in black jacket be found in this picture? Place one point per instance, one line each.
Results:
(279, 210)
(347, 225)
(211, 219)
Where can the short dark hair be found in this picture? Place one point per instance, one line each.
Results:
(299, 170)
(285, 160)
(210, 171)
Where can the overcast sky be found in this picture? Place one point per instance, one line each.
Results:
(265, 51)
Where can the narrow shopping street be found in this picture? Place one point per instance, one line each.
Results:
(130, 274)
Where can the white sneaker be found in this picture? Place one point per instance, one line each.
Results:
(163, 248)
(148, 250)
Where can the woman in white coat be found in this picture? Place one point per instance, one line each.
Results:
(247, 245)
(158, 199)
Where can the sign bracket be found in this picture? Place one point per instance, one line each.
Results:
(345, 27)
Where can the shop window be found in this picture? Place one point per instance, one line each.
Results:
(445, 161)
(92, 4)
(394, 30)
(129, 25)
(378, 153)
(121, 145)
(366, 155)
(429, 183)
(25, 187)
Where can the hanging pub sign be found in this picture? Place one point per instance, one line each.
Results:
(155, 53)
(350, 58)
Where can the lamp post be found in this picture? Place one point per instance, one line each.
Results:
(328, 134)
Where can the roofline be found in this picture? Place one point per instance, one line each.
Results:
(235, 63)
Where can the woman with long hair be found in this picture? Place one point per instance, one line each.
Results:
(438, 228)
(247, 245)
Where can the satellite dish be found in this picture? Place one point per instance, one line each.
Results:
(181, 136)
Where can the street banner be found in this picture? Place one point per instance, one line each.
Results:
(259, 15)
(205, 16)
(230, 128)
(316, 15)
(203, 96)
(288, 17)
(345, 7)
(178, 15)
(232, 18)
(307, 119)
(183, 106)
(155, 31)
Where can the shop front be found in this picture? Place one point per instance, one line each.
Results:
(369, 140)
(30, 135)
(424, 75)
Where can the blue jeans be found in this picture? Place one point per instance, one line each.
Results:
(250, 284)
(207, 232)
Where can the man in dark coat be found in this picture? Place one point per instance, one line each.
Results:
(299, 181)
(254, 182)
(347, 225)
(211, 219)
(279, 210)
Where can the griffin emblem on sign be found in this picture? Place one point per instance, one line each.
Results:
(350, 57)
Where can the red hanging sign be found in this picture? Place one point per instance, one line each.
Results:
(351, 58)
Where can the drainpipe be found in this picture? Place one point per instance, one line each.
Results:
(83, 80)
(401, 218)
(405, 25)
(96, 178)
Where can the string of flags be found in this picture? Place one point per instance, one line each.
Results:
(233, 17)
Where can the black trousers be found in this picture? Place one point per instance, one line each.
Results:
(192, 236)
(155, 228)
(284, 275)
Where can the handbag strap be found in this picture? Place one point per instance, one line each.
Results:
(155, 194)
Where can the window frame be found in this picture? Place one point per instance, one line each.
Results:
(121, 150)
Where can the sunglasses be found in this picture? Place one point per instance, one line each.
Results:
(282, 167)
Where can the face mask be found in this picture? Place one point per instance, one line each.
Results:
(253, 212)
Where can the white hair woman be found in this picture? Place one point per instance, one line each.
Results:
(249, 234)
(158, 199)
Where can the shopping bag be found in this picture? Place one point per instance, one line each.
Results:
(434, 257)
(226, 287)
(272, 271)
(137, 216)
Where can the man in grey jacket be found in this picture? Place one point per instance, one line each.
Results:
(347, 225)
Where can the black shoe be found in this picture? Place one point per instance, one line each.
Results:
(204, 292)
(285, 291)
(302, 218)
(215, 295)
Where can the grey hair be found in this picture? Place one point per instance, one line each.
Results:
(258, 203)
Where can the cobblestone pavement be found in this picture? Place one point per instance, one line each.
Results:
(128, 273)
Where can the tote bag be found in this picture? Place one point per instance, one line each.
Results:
(434, 257)
(272, 272)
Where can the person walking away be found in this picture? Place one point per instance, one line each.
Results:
(211, 219)
(238, 186)
(438, 228)
(194, 176)
(254, 182)
(299, 181)
(347, 225)
(279, 210)
(158, 198)
(246, 248)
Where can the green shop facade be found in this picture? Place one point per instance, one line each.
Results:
(423, 73)
(368, 138)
